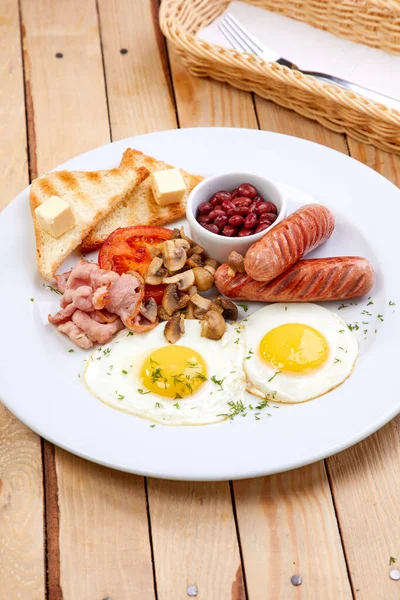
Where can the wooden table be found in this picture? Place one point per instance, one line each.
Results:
(74, 530)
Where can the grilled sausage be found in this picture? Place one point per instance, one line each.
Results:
(282, 246)
(312, 280)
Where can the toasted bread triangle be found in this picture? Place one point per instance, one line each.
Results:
(140, 208)
(91, 195)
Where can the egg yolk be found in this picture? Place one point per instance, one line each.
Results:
(173, 371)
(294, 348)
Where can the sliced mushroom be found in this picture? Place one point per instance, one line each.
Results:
(203, 278)
(216, 307)
(229, 309)
(195, 250)
(174, 257)
(163, 315)
(154, 251)
(185, 237)
(236, 262)
(175, 234)
(192, 290)
(201, 302)
(155, 272)
(189, 314)
(179, 243)
(148, 309)
(199, 313)
(171, 301)
(212, 263)
(183, 280)
(213, 325)
(174, 328)
(194, 261)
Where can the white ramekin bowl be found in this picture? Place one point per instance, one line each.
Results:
(219, 246)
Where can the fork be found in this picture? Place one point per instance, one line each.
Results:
(241, 39)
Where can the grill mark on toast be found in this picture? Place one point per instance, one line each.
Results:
(68, 179)
(94, 176)
(46, 187)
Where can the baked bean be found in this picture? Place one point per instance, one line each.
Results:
(262, 227)
(242, 210)
(245, 232)
(236, 220)
(205, 208)
(227, 205)
(223, 195)
(204, 219)
(246, 189)
(213, 228)
(242, 200)
(229, 231)
(270, 217)
(221, 221)
(262, 207)
(271, 207)
(250, 221)
(217, 212)
(234, 193)
(215, 201)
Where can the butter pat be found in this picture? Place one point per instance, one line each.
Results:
(55, 216)
(168, 186)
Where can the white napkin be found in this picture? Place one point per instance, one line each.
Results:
(313, 49)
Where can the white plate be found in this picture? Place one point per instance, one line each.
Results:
(39, 378)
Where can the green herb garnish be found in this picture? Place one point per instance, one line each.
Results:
(274, 375)
(244, 306)
(218, 382)
(236, 408)
(54, 290)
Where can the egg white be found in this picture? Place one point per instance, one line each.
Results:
(104, 377)
(292, 388)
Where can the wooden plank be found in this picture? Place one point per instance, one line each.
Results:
(285, 520)
(22, 566)
(100, 514)
(194, 540)
(138, 83)
(208, 103)
(104, 521)
(365, 481)
(66, 95)
(287, 524)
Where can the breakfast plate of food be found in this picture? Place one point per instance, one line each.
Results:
(202, 304)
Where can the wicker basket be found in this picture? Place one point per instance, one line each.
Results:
(373, 22)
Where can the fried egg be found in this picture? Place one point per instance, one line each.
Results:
(188, 383)
(297, 352)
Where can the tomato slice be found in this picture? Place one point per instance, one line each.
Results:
(127, 248)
